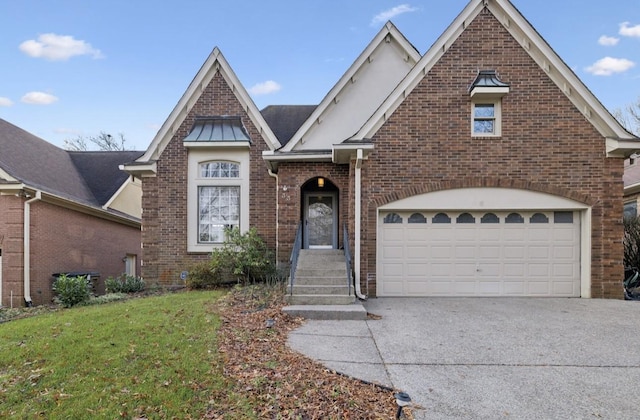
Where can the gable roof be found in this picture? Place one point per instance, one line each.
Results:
(215, 63)
(285, 120)
(337, 107)
(618, 139)
(101, 173)
(87, 178)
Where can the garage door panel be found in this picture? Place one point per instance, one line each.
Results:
(464, 252)
(510, 253)
(441, 252)
(417, 252)
(539, 252)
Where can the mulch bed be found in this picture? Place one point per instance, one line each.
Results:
(279, 382)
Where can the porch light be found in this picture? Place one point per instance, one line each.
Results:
(402, 400)
(320, 182)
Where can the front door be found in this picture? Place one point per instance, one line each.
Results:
(320, 220)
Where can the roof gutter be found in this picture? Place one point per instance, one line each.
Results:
(26, 237)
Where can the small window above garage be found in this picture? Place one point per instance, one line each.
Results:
(217, 131)
(486, 93)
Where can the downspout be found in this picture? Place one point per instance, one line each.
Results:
(358, 210)
(274, 175)
(27, 248)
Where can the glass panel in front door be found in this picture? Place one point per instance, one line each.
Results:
(320, 221)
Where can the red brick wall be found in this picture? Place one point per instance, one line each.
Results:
(11, 215)
(292, 177)
(546, 145)
(164, 201)
(61, 240)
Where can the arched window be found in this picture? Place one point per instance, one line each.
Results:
(392, 218)
(539, 218)
(465, 218)
(441, 218)
(417, 218)
(490, 218)
(514, 218)
(219, 169)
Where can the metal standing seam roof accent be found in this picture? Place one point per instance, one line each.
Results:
(217, 129)
(487, 78)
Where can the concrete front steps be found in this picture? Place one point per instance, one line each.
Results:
(320, 289)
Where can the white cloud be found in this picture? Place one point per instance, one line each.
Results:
(626, 30)
(38, 98)
(265, 88)
(58, 47)
(390, 13)
(5, 101)
(608, 41)
(609, 65)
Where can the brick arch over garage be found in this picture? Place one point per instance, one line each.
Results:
(428, 187)
(370, 215)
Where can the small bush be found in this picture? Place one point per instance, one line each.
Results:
(124, 284)
(242, 258)
(202, 276)
(108, 298)
(71, 291)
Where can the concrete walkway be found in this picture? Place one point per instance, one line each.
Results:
(491, 358)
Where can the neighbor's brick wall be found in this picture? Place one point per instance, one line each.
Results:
(546, 145)
(61, 240)
(164, 200)
(11, 214)
(65, 240)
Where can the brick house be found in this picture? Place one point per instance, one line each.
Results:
(484, 167)
(62, 211)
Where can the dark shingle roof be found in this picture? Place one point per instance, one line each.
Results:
(101, 172)
(85, 177)
(285, 120)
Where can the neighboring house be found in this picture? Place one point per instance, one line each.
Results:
(62, 211)
(631, 186)
(483, 168)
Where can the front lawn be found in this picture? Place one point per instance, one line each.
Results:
(154, 357)
(187, 355)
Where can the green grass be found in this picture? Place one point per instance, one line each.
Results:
(154, 357)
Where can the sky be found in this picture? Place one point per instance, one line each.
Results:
(72, 68)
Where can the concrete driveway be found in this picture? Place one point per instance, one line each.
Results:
(491, 358)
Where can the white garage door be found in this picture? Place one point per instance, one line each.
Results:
(478, 253)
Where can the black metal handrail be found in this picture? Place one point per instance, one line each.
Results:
(347, 255)
(293, 260)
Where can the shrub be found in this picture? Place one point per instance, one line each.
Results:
(202, 276)
(72, 290)
(242, 258)
(124, 284)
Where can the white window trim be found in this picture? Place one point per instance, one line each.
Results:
(202, 155)
(497, 118)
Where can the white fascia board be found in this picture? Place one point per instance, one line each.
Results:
(622, 147)
(344, 152)
(418, 72)
(631, 189)
(557, 70)
(489, 92)
(215, 63)
(140, 169)
(6, 176)
(388, 29)
(311, 156)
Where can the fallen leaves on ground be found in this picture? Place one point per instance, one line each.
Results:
(278, 382)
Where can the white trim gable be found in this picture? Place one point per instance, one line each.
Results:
(373, 75)
(531, 42)
(215, 63)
